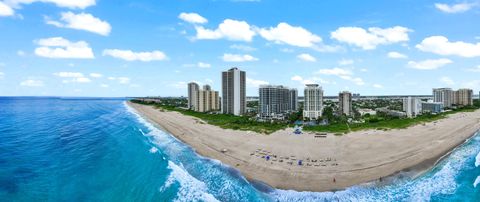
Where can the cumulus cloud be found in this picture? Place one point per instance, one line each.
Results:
(58, 47)
(229, 29)
(121, 80)
(2, 75)
(238, 58)
(454, 8)
(344, 74)
(372, 37)
(32, 83)
(81, 21)
(396, 55)
(306, 57)
(311, 80)
(447, 80)
(193, 18)
(429, 64)
(6, 10)
(284, 33)
(255, 83)
(442, 46)
(81, 4)
(72, 77)
(475, 69)
(129, 55)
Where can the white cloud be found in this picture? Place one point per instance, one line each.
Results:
(2, 75)
(32, 83)
(440, 45)
(291, 35)
(72, 77)
(312, 80)
(377, 86)
(104, 85)
(179, 85)
(455, 8)
(345, 62)
(193, 18)
(21, 53)
(238, 58)
(81, 4)
(306, 57)
(96, 75)
(82, 21)
(129, 55)
(343, 74)
(255, 83)
(229, 29)
(447, 80)
(203, 65)
(242, 47)
(335, 71)
(429, 64)
(371, 38)
(58, 47)
(6, 10)
(396, 55)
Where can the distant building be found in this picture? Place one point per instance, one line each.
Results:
(432, 107)
(364, 112)
(192, 95)
(345, 103)
(443, 95)
(412, 106)
(293, 99)
(313, 104)
(207, 100)
(276, 101)
(233, 92)
(464, 97)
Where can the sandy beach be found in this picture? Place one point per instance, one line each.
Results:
(351, 159)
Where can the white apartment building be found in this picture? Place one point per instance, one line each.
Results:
(412, 106)
(313, 104)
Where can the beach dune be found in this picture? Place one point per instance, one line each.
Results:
(309, 163)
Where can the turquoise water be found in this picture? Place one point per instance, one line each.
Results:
(55, 149)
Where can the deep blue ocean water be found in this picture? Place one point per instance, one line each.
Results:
(55, 149)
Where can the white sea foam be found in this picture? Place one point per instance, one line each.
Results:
(153, 150)
(191, 189)
(476, 181)
(477, 160)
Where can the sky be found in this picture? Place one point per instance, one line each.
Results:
(155, 47)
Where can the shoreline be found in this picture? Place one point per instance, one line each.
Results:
(352, 159)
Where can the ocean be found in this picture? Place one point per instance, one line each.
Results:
(85, 149)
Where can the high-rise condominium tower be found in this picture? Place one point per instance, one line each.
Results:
(443, 95)
(313, 105)
(345, 103)
(233, 92)
(192, 95)
(276, 101)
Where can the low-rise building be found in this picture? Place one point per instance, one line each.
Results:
(432, 107)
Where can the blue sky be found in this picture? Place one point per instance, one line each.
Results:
(146, 47)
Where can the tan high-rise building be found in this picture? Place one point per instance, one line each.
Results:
(345, 103)
(443, 95)
(193, 88)
(207, 100)
(464, 97)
